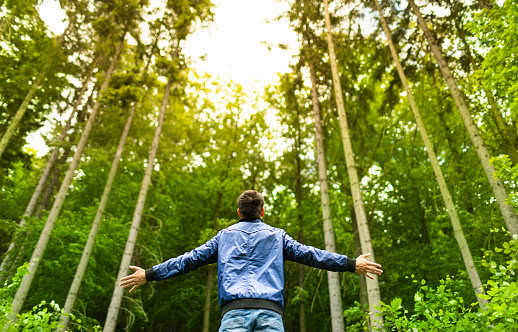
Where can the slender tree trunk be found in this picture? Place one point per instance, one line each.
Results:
(206, 307)
(215, 217)
(504, 129)
(113, 310)
(298, 196)
(81, 268)
(60, 198)
(510, 218)
(302, 304)
(46, 172)
(54, 183)
(448, 201)
(6, 22)
(364, 297)
(372, 285)
(15, 121)
(337, 319)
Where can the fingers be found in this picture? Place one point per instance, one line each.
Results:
(126, 283)
(368, 262)
(374, 264)
(134, 280)
(131, 282)
(369, 276)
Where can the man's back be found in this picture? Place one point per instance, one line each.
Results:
(251, 262)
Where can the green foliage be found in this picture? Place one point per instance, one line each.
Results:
(354, 321)
(443, 309)
(495, 28)
(43, 317)
(509, 174)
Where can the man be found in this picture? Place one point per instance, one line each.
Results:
(250, 257)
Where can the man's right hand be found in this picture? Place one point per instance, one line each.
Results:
(134, 280)
(365, 267)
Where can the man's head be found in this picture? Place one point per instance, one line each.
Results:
(250, 205)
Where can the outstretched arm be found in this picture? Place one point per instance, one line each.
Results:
(365, 267)
(136, 279)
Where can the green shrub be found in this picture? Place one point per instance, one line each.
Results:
(443, 309)
(44, 317)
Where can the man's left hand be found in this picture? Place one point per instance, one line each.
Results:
(136, 279)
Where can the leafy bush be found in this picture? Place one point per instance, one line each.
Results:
(444, 309)
(509, 174)
(43, 317)
(354, 321)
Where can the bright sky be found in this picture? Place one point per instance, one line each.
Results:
(233, 45)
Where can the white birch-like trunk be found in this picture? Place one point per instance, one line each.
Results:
(113, 310)
(363, 228)
(448, 201)
(6, 22)
(335, 297)
(298, 195)
(81, 268)
(15, 121)
(60, 198)
(508, 213)
(208, 291)
(45, 175)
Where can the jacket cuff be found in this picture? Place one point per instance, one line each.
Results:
(150, 275)
(351, 265)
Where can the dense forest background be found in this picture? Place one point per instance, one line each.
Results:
(148, 158)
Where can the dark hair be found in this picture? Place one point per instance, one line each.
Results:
(250, 204)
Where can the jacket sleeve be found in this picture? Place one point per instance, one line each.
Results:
(190, 261)
(297, 252)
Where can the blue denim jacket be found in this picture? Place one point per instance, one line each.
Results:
(250, 257)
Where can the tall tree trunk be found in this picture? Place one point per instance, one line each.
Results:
(510, 218)
(505, 130)
(46, 172)
(6, 22)
(206, 307)
(54, 183)
(364, 297)
(335, 296)
(215, 226)
(448, 201)
(81, 268)
(372, 285)
(60, 198)
(113, 310)
(15, 121)
(298, 195)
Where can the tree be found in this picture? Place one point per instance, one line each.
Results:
(363, 227)
(113, 310)
(329, 235)
(495, 72)
(15, 121)
(510, 217)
